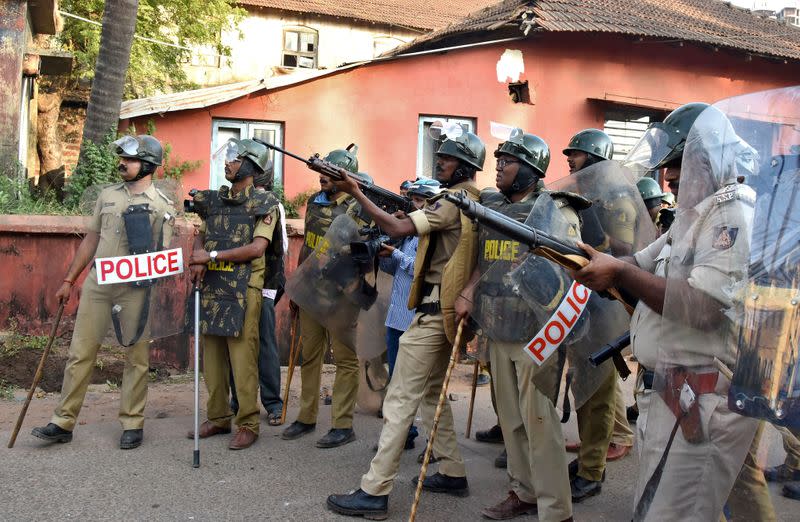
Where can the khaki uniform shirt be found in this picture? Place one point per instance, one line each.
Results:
(445, 218)
(712, 256)
(107, 218)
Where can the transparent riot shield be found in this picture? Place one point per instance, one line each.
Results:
(139, 267)
(617, 222)
(724, 350)
(336, 289)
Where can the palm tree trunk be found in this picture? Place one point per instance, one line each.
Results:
(102, 114)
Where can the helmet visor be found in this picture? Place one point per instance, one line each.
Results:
(652, 147)
(228, 152)
(442, 129)
(127, 146)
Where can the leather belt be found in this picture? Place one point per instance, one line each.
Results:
(430, 308)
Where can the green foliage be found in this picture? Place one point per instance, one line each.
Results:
(293, 205)
(99, 167)
(6, 391)
(16, 197)
(15, 341)
(175, 168)
(153, 67)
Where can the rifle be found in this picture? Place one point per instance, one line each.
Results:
(540, 243)
(383, 198)
(613, 350)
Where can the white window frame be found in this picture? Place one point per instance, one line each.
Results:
(216, 178)
(469, 122)
(300, 29)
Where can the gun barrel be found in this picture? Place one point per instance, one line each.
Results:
(285, 152)
(609, 350)
(521, 232)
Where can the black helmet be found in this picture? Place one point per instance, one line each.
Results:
(467, 147)
(264, 178)
(424, 188)
(344, 158)
(592, 141)
(663, 142)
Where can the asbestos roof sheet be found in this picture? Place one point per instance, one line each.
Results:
(417, 14)
(709, 22)
(206, 97)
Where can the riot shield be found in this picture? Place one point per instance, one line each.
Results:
(146, 286)
(730, 304)
(335, 288)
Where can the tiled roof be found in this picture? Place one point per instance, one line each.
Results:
(710, 22)
(416, 14)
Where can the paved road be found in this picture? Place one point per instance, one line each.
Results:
(90, 479)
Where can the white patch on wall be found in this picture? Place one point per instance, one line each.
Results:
(510, 66)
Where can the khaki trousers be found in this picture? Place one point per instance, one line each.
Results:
(537, 461)
(595, 423)
(697, 478)
(92, 323)
(238, 355)
(345, 384)
(621, 434)
(749, 500)
(792, 447)
(417, 380)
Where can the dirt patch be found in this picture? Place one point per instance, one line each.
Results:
(18, 364)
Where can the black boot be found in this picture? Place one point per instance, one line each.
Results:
(337, 437)
(297, 429)
(359, 503)
(439, 483)
(583, 489)
(52, 433)
(502, 460)
(493, 435)
(131, 439)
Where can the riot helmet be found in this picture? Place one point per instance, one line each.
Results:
(469, 150)
(264, 178)
(534, 156)
(144, 148)
(344, 158)
(406, 185)
(650, 191)
(668, 198)
(593, 142)
(424, 188)
(663, 142)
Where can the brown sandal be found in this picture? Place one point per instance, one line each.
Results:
(274, 419)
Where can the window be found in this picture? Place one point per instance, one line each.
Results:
(223, 130)
(300, 48)
(427, 146)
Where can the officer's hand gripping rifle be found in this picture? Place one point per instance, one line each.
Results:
(540, 243)
(383, 198)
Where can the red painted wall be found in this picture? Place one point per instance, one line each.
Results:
(378, 106)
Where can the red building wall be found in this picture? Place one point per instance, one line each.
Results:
(378, 105)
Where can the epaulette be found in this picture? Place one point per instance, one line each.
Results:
(576, 201)
(735, 191)
(164, 196)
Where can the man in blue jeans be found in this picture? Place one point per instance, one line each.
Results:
(269, 366)
(399, 262)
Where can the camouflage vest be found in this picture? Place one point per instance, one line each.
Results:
(230, 222)
(494, 300)
(318, 220)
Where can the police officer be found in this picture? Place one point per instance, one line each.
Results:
(138, 159)
(445, 259)
(652, 195)
(530, 423)
(323, 207)
(602, 424)
(645, 276)
(228, 262)
(269, 366)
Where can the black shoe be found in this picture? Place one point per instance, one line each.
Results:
(52, 433)
(632, 413)
(573, 471)
(337, 437)
(439, 483)
(297, 429)
(583, 489)
(493, 435)
(409, 445)
(358, 503)
(131, 439)
(501, 461)
(421, 456)
(781, 473)
(791, 490)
